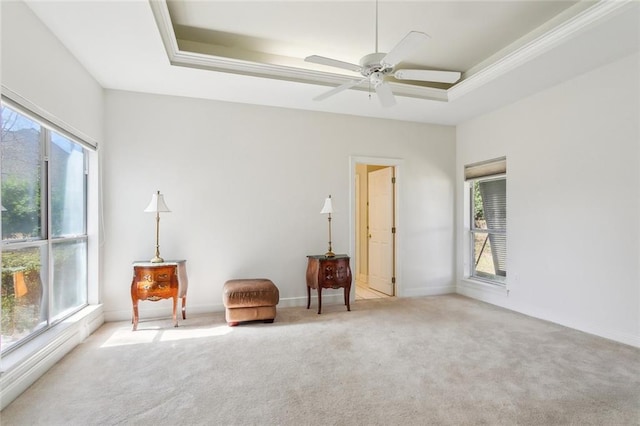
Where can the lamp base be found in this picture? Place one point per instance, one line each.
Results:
(330, 254)
(157, 259)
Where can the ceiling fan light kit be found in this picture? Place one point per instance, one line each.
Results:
(374, 67)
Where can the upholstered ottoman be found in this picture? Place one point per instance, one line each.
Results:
(250, 300)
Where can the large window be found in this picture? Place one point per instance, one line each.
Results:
(487, 184)
(44, 226)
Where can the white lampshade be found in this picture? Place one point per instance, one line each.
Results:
(328, 206)
(157, 204)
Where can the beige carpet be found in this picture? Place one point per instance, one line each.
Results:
(444, 360)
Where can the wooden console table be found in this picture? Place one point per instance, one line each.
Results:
(156, 281)
(328, 272)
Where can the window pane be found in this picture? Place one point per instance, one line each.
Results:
(69, 276)
(24, 307)
(489, 226)
(485, 256)
(36, 193)
(68, 193)
(478, 219)
(21, 167)
(494, 203)
(482, 258)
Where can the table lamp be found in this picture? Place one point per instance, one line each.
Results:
(328, 209)
(156, 206)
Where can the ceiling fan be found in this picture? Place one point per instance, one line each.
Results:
(374, 67)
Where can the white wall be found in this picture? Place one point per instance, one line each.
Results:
(45, 76)
(573, 191)
(41, 74)
(246, 185)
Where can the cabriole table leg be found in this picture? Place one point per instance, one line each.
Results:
(135, 315)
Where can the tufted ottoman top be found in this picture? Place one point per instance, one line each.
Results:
(244, 293)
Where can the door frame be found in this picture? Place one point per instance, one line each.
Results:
(378, 161)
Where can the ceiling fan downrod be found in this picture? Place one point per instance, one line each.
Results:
(376, 46)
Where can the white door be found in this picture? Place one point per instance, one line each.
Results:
(380, 191)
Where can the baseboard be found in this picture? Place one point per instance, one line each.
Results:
(583, 326)
(499, 296)
(154, 311)
(626, 338)
(428, 291)
(22, 367)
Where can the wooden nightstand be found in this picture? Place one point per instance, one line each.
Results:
(156, 281)
(328, 272)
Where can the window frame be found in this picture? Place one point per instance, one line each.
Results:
(46, 238)
(473, 231)
(487, 170)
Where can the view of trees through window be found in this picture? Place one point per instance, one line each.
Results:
(44, 241)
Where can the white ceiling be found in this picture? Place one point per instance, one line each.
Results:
(253, 52)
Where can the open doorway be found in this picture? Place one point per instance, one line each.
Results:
(374, 228)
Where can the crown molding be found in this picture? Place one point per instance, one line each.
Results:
(220, 64)
(540, 45)
(470, 81)
(234, 66)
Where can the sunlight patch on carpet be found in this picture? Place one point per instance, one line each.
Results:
(196, 333)
(128, 337)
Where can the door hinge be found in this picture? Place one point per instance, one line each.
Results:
(393, 280)
(393, 179)
(393, 230)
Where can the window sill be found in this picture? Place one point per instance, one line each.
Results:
(475, 285)
(23, 366)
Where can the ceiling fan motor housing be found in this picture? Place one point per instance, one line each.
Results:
(372, 63)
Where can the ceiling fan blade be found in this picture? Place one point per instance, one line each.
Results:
(345, 86)
(428, 75)
(407, 45)
(332, 63)
(385, 95)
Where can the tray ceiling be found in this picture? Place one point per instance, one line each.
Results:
(253, 52)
